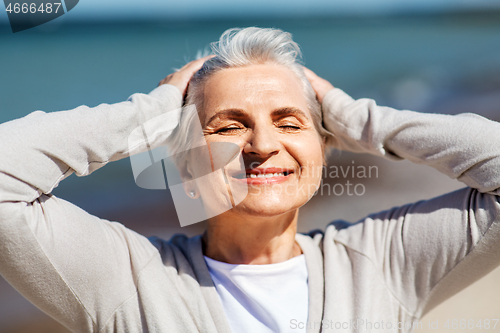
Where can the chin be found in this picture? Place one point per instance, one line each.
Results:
(268, 207)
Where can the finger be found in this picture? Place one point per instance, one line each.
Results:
(181, 77)
(195, 65)
(186, 66)
(310, 75)
(165, 80)
(188, 70)
(320, 85)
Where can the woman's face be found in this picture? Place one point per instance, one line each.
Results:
(263, 110)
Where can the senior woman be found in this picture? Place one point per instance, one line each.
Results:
(250, 271)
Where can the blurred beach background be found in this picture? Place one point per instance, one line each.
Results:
(431, 56)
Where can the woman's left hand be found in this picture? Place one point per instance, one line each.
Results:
(320, 85)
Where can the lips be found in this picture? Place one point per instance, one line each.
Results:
(261, 176)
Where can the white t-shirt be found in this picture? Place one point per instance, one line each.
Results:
(263, 298)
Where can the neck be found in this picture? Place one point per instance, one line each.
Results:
(254, 241)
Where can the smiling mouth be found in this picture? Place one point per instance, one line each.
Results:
(267, 175)
(263, 176)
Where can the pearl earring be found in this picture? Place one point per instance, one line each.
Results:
(192, 193)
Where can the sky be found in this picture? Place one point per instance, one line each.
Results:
(106, 9)
(186, 8)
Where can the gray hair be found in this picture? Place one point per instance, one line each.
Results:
(238, 48)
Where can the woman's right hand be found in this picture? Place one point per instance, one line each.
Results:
(181, 78)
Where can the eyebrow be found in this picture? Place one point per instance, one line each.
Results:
(289, 111)
(238, 113)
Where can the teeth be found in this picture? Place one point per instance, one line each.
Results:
(265, 175)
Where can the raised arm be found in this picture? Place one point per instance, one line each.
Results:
(74, 266)
(464, 146)
(429, 250)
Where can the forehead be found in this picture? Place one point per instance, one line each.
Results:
(253, 88)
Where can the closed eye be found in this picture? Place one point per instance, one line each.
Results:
(289, 128)
(229, 130)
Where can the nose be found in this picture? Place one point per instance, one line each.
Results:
(263, 142)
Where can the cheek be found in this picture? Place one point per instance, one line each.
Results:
(212, 161)
(308, 152)
(214, 193)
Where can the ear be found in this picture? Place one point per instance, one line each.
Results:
(188, 182)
